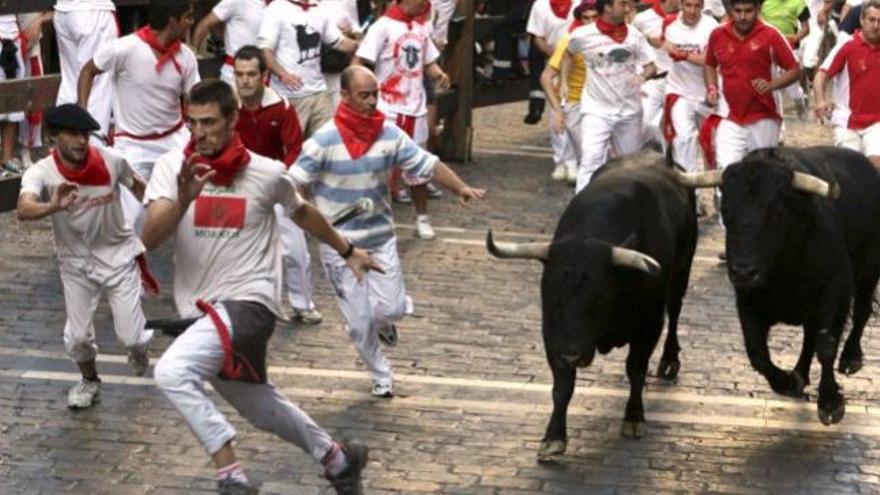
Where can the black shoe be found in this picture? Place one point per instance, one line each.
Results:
(532, 118)
(349, 481)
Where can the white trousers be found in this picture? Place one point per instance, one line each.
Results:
(811, 44)
(80, 34)
(653, 97)
(687, 116)
(334, 84)
(82, 291)
(196, 356)
(297, 261)
(734, 141)
(865, 141)
(624, 134)
(142, 154)
(375, 302)
(566, 145)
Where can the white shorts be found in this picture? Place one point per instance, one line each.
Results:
(82, 291)
(865, 141)
(142, 154)
(420, 127)
(443, 10)
(734, 141)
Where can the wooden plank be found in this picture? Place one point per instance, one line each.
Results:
(33, 94)
(483, 27)
(455, 142)
(510, 91)
(22, 6)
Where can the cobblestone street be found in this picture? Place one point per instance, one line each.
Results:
(472, 383)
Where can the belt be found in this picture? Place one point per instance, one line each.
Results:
(150, 137)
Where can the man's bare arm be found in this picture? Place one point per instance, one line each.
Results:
(204, 27)
(31, 208)
(84, 85)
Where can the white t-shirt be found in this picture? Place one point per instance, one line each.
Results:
(612, 68)
(295, 36)
(92, 234)
(650, 23)
(544, 23)
(75, 5)
(341, 12)
(241, 22)
(227, 245)
(686, 78)
(145, 101)
(400, 55)
(9, 27)
(715, 8)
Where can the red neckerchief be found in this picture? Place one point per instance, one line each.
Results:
(658, 9)
(166, 53)
(227, 164)
(93, 172)
(575, 24)
(303, 5)
(616, 32)
(358, 131)
(396, 13)
(561, 8)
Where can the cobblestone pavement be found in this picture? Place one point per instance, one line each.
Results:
(473, 385)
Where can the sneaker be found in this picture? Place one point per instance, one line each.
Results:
(559, 172)
(12, 165)
(349, 481)
(139, 360)
(229, 486)
(388, 335)
(384, 390)
(84, 394)
(433, 191)
(308, 316)
(532, 118)
(424, 229)
(402, 196)
(571, 175)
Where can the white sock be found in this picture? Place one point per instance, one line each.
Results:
(335, 461)
(233, 472)
(423, 218)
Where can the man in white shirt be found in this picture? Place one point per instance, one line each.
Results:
(618, 59)
(291, 35)
(217, 200)
(685, 41)
(98, 252)
(241, 21)
(650, 22)
(343, 14)
(151, 71)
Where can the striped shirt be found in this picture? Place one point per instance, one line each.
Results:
(337, 181)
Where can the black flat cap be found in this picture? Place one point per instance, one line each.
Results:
(70, 117)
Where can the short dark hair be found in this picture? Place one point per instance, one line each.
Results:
(601, 4)
(756, 3)
(871, 4)
(161, 11)
(214, 91)
(250, 52)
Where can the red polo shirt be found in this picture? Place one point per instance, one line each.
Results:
(273, 130)
(859, 83)
(739, 60)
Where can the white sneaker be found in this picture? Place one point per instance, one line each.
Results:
(424, 229)
(385, 390)
(84, 394)
(571, 175)
(308, 316)
(558, 172)
(139, 360)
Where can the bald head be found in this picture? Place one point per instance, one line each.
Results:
(360, 90)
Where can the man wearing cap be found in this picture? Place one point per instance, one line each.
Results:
(98, 252)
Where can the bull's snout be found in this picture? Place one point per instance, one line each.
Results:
(745, 275)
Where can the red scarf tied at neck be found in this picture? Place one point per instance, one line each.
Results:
(166, 53)
(303, 5)
(227, 164)
(398, 14)
(616, 32)
(93, 172)
(358, 131)
(561, 8)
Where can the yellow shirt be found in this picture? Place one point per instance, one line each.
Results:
(578, 76)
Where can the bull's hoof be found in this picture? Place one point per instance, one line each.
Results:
(551, 450)
(831, 414)
(849, 365)
(793, 386)
(632, 429)
(668, 369)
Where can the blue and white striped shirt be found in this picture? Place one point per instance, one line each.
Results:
(337, 180)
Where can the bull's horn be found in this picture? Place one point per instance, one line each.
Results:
(699, 179)
(812, 184)
(535, 250)
(634, 259)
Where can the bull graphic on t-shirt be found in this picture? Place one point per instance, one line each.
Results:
(619, 55)
(411, 56)
(309, 42)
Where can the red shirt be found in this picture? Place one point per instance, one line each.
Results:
(273, 130)
(741, 60)
(862, 64)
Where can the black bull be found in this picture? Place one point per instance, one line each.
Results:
(620, 258)
(803, 259)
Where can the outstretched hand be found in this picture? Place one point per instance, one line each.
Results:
(468, 193)
(360, 262)
(64, 196)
